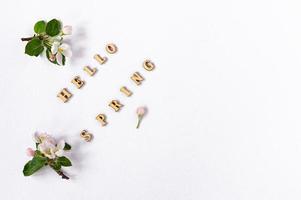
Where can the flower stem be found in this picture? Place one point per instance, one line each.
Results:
(27, 39)
(41, 37)
(139, 121)
(62, 174)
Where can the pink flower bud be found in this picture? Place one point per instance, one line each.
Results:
(30, 152)
(141, 111)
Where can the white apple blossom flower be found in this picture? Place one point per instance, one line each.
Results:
(67, 30)
(59, 50)
(50, 150)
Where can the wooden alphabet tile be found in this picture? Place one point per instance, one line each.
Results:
(101, 60)
(78, 82)
(137, 78)
(90, 71)
(116, 105)
(102, 119)
(111, 48)
(126, 91)
(64, 95)
(148, 65)
(86, 135)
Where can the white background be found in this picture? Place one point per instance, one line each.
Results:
(224, 100)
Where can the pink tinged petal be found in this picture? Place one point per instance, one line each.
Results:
(50, 140)
(47, 149)
(41, 147)
(67, 30)
(141, 111)
(47, 138)
(59, 58)
(30, 152)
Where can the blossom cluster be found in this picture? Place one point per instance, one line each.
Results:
(48, 152)
(49, 38)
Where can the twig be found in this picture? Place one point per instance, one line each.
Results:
(26, 39)
(62, 175)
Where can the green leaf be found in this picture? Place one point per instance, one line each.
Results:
(38, 153)
(56, 166)
(34, 165)
(34, 47)
(40, 27)
(67, 146)
(64, 161)
(53, 27)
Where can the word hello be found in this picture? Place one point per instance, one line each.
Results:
(136, 77)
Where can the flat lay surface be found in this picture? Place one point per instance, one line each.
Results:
(223, 102)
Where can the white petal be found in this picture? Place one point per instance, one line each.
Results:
(36, 138)
(57, 39)
(65, 50)
(67, 53)
(45, 146)
(60, 145)
(44, 137)
(67, 30)
(41, 148)
(59, 58)
(47, 149)
(52, 154)
(64, 46)
(55, 47)
(59, 153)
(50, 139)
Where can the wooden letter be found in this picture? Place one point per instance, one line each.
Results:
(90, 71)
(78, 82)
(64, 95)
(126, 91)
(148, 65)
(102, 119)
(86, 135)
(137, 78)
(111, 48)
(100, 59)
(115, 105)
